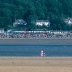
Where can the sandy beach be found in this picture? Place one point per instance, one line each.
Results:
(35, 64)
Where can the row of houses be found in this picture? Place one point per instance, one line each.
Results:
(41, 22)
(37, 22)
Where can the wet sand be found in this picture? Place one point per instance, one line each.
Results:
(32, 41)
(35, 64)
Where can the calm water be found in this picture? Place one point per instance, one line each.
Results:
(34, 50)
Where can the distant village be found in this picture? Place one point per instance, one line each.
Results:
(14, 33)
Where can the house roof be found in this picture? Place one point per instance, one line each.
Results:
(68, 20)
(42, 20)
(19, 22)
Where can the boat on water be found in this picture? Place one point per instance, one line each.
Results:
(40, 41)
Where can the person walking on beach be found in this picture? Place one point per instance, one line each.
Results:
(42, 53)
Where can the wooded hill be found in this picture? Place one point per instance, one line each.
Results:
(30, 10)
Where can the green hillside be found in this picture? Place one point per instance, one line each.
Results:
(30, 10)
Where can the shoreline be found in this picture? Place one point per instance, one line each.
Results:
(37, 41)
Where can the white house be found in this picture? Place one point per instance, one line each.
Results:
(19, 22)
(68, 21)
(42, 22)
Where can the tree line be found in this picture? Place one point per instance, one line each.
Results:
(31, 10)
